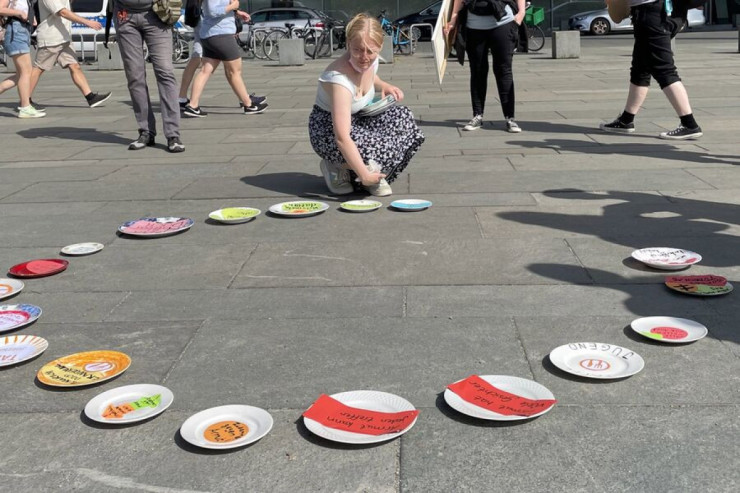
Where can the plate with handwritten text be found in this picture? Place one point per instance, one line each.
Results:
(234, 215)
(10, 287)
(16, 316)
(19, 348)
(154, 227)
(669, 329)
(80, 369)
(666, 258)
(129, 404)
(299, 208)
(704, 285)
(535, 399)
(369, 400)
(226, 427)
(597, 360)
(79, 249)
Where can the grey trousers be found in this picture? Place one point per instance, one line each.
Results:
(132, 32)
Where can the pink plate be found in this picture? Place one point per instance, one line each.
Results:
(39, 268)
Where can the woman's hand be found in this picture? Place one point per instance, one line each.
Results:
(449, 27)
(371, 178)
(393, 90)
(519, 17)
(243, 15)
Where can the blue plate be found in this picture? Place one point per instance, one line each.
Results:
(411, 204)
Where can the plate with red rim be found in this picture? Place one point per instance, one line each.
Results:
(19, 348)
(704, 285)
(226, 427)
(10, 287)
(155, 227)
(597, 360)
(129, 404)
(79, 249)
(16, 316)
(669, 329)
(666, 258)
(39, 268)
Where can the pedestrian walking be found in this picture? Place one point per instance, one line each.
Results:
(489, 26)
(652, 56)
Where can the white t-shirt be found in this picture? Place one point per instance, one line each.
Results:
(323, 99)
(53, 29)
(21, 5)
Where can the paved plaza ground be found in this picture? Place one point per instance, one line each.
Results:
(526, 248)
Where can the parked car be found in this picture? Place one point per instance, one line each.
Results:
(278, 17)
(598, 22)
(427, 15)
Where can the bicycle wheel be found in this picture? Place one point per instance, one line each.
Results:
(179, 50)
(259, 42)
(536, 38)
(310, 44)
(274, 39)
(405, 44)
(324, 45)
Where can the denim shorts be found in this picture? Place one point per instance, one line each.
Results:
(17, 39)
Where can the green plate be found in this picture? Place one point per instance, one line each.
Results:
(361, 205)
(234, 215)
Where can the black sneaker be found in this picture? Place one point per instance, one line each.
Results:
(618, 127)
(183, 104)
(194, 112)
(255, 108)
(256, 100)
(145, 139)
(96, 99)
(682, 133)
(174, 144)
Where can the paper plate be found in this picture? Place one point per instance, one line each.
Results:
(361, 205)
(411, 204)
(226, 427)
(377, 106)
(597, 360)
(669, 329)
(129, 404)
(82, 248)
(153, 227)
(707, 285)
(299, 208)
(666, 258)
(39, 268)
(79, 369)
(16, 316)
(514, 385)
(363, 399)
(19, 348)
(10, 287)
(234, 215)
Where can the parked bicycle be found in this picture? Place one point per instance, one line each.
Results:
(532, 17)
(255, 42)
(404, 40)
(330, 38)
(307, 33)
(180, 48)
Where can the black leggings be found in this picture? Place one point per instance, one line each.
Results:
(501, 42)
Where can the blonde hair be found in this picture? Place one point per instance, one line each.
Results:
(365, 24)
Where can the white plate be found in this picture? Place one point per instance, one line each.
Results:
(82, 248)
(16, 316)
(361, 205)
(669, 329)
(371, 400)
(698, 288)
(377, 106)
(597, 360)
(10, 287)
(411, 204)
(513, 385)
(159, 226)
(228, 424)
(234, 215)
(133, 396)
(19, 348)
(667, 258)
(299, 208)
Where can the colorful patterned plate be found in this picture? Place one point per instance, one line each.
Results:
(411, 204)
(669, 329)
(18, 348)
(377, 106)
(154, 227)
(226, 427)
(10, 287)
(39, 268)
(79, 369)
(234, 215)
(129, 404)
(597, 360)
(361, 205)
(707, 285)
(299, 208)
(82, 249)
(666, 258)
(16, 316)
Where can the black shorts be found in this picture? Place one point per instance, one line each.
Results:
(221, 47)
(652, 54)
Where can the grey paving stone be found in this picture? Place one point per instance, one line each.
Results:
(98, 191)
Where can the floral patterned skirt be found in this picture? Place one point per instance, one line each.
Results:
(390, 138)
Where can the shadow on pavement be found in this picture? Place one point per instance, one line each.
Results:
(81, 134)
(299, 184)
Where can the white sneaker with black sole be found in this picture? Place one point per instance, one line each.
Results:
(255, 109)
(474, 124)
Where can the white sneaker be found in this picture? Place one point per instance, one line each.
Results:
(336, 178)
(30, 112)
(380, 189)
(512, 127)
(474, 124)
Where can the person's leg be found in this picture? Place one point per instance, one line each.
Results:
(9, 83)
(79, 79)
(503, 43)
(24, 67)
(130, 41)
(679, 98)
(233, 72)
(208, 66)
(35, 76)
(187, 76)
(635, 98)
(477, 50)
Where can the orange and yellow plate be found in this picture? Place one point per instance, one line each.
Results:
(80, 369)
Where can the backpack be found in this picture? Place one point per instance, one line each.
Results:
(192, 13)
(168, 11)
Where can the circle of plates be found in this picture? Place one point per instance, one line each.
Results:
(258, 422)
(82, 249)
(39, 268)
(361, 205)
(155, 227)
(87, 368)
(669, 329)
(122, 399)
(10, 287)
(19, 348)
(371, 400)
(234, 215)
(597, 360)
(708, 285)
(411, 204)
(513, 385)
(16, 316)
(666, 258)
(299, 208)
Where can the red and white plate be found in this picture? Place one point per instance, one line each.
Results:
(19, 348)
(39, 268)
(669, 329)
(597, 360)
(665, 258)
